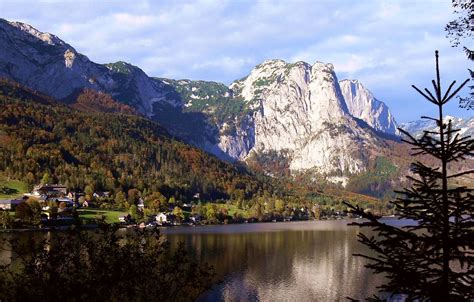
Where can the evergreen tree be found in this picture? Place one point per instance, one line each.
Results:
(432, 259)
(462, 28)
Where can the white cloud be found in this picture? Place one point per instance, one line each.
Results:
(226, 64)
(386, 44)
(124, 19)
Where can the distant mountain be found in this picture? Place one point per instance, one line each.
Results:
(44, 62)
(363, 105)
(417, 127)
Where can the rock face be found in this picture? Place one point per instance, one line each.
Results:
(363, 105)
(299, 111)
(44, 62)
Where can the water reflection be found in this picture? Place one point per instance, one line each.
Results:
(304, 261)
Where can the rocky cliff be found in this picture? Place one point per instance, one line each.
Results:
(363, 105)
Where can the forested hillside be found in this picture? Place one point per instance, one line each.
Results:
(107, 151)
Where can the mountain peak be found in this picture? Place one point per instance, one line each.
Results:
(34, 33)
(321, 66)
(272, 61)
(363, 105)
(416, 128)
(121, 67)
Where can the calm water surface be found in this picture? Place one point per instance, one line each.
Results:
(292, 261)
(296, 261)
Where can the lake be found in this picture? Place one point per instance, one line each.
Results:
(292, 261)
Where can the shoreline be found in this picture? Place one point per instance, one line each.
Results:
(96, 226)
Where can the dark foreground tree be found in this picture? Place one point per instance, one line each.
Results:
(106, 265)
(432, 259)
(462, 28)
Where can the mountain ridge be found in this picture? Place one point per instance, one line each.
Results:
(300, 111)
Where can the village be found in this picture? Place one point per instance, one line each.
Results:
(54, 205)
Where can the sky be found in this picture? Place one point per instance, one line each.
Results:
(387, 45)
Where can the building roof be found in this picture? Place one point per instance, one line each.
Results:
(52, 186)
(11, 201)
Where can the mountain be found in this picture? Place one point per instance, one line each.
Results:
(44, 62)
(417, 127)
(363, 105)
(298, 110)
(49, 65)
(295, 114)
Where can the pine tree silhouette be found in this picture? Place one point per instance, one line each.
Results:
(432, 259)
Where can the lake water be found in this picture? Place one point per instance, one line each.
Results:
(293, 261)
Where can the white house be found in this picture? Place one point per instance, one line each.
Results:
(161, 218)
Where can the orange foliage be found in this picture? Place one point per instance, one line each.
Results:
(91, 100)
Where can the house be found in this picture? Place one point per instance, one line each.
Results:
(187, 206)
(68, 201)
(101, 194)
(10, 205)
(50, 190)
(161, 218)
(195, 218)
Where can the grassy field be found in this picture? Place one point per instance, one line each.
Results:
(11, 188)
(90, 215)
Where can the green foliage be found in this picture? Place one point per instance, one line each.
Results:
(376, 181)
(5, 219)
(45, 179)
(121, 201)
(279, 205)
(11, 188)
(156, 202)
(262, 82)
(207, 104)
(133, 211)
(178, 213)
(77, 265)
(120, 67)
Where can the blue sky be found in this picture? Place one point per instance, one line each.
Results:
(387, 45)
